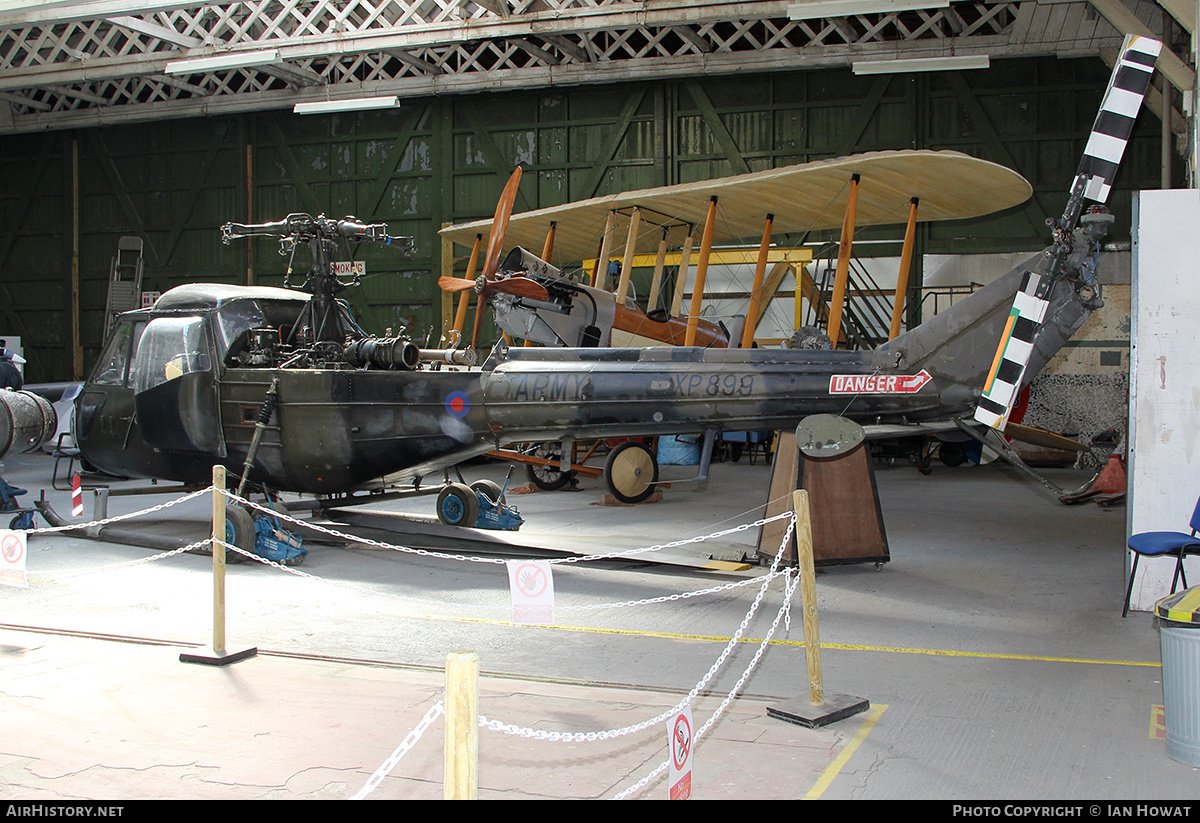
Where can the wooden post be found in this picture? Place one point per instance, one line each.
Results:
(249, 211)
(461, 756)
(217, 655)
(820, 709)
(701, 271)
(906, 255)
(808, 595)
(218, 558)
(76, 332)
(756, 298)
(837, 301)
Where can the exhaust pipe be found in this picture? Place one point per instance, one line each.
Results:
(27, 421)
(384, 353)
(458, 357)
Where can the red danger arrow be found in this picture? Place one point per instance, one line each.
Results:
(878, 383)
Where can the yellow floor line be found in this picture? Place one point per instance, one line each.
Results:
(793, 643)
(839, 762)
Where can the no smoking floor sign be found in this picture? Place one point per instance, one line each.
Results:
(679, 729)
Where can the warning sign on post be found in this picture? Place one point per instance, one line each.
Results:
(12, 558)
(532, 588)
(679, 729)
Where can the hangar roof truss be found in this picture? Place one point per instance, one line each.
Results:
(84, 63)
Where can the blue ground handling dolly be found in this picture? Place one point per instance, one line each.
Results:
(8, 503)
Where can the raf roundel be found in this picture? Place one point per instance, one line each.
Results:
(458, 404)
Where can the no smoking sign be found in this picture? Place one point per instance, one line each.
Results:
(679, 730)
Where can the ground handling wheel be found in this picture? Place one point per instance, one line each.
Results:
(631, 472)
(239, 531)
(457, 505)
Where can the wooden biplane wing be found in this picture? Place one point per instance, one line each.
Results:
(804, 197)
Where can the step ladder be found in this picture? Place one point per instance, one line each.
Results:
(124, 280)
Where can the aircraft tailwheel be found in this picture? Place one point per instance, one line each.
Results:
(548, 478)
(952, 454)
(239, 531)
(631, 472)
(457, 505)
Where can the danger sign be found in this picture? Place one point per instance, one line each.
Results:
(12, 558)
(878, 383)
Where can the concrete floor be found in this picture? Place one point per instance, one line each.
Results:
(991, 649)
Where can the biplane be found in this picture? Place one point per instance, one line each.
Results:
(533, 300)
(283, 387)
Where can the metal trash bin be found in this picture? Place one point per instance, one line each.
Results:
(1179, 631)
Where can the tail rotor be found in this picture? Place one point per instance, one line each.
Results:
(1093, 181)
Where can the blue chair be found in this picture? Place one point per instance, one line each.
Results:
(1172, 544)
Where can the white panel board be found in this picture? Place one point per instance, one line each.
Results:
(1164, 431)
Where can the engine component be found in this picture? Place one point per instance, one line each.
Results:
(26, 421)
(383, 353)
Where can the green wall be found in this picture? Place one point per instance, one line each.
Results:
(440, 160)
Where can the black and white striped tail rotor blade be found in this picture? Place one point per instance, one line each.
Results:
(1016, 345)
(1101, 157)
(1118, 111)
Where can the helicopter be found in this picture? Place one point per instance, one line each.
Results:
(286, 390)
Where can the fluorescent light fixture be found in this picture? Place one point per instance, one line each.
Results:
(904, 65)
(841, 8)
(233, 60)
(351, 104)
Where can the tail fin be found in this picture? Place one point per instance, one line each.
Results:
(1101, 157)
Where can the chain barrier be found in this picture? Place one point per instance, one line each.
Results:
(117, 518)
(379, 544)
(789, 593)
(764, 582)
(589, 607)
(793, 580)
(729, 586)
(406, 745)
(731, 644)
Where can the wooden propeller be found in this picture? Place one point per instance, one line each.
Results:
(496, 243)
(516, 286)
